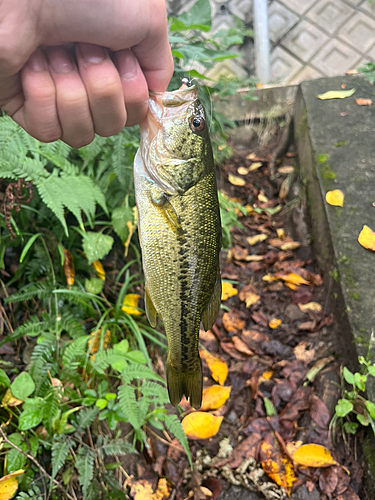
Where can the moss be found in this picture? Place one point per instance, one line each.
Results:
(352, 210)
(323, 158)
(334, 274)
(335, 296)
(327, 172)
(340, 143)
(354, 295)
(369, 450)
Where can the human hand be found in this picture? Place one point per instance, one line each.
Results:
(99, 60)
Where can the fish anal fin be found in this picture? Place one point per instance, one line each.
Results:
(212, 310)
(188, 384)
(150, 309)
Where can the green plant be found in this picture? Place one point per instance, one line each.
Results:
(369, 70)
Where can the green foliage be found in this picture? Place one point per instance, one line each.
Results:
(369, 70)
(229, 217)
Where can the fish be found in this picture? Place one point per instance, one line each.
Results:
(179, 229)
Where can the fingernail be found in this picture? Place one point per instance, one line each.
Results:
(60, 61)
(92, 54)
(37, 61)
(127, 66)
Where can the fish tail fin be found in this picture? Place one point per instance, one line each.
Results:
(182, 383)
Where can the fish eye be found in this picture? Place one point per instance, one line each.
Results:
(197, 124)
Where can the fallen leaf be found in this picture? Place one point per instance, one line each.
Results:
(141, 490)
(254, 258)
(10, 400)
(227, 291)
(290, 245)
(249, 296)
(251, 156)
(319, 412)
(236, 181)
(255, 166)
(328, 480)
(262, 197)
(69, 270)
(95, 338)
(366, 238)
(336, 94)
(335, 198)
(206, 492)
(241, 346)
(307, 326)
(310, 306)
(303, 352)
(214, 397)
(351, 72)
(201, 425)
(130, 304)
(274, 323)
(363, 102)
(99, 269)
(286, 170)
(232, 323)
(313, 455)
(243, 170)
(293, 278)
(228, 347)
(217, 366)
(252, 240)
(239, 253)
(343, 86)
(267, 375)
(276, 464)
(293, 446)
(162, 491)
(318, 366)
(9, 484)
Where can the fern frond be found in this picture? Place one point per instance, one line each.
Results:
(42, 361)
(174, 426)
(85, 468)
(156, 392)
(129, 405)
(117, 447)
(86, 417)
(75, 354)
(137, 371)
(60, 450)
(41, 290)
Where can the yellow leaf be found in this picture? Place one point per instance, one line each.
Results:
(251, 156)
(292, 446)
(132, 225)
(252, 240)
(236, 181)
(277, 465)
(95, 338)
(254, 258)
(311, 306)
(290, 245)
(9, 484)
(243, 170)
(336, 94)
(201, 425)
(214, 397)
(291, 286)
(267, 375)
(251, 299)
(366, 238)
(255, 166)
(141, 490)
(227, 291)
(269, 277)
(69, 270)
(10, 400)
(99, 270)
(218, 367)
(163, 490)
(294, 279)
(274, 323)
(280, 233)
(313, 455)
(335, 198)
(262, 197)
(285, 170)
(130, 304)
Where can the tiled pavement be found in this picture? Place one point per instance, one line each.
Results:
(309, 38)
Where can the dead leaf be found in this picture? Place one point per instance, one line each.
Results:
(274, 323)
(319, 412)
(243, 170)
(262, 197)
(318, 366)
(351, 72)
(260, 318)
(97, 265)
(227, 290)
(10, 400)
(228, 347)
(293, 446)
(336, 94)
(130, 304)
(69, 270)
(232, 323)
(366, 238)
(206, 492)
(9, 484)
(286, 170)
(276, 464)
(236, 181)
(253, 240)
(254, 258)
(217, 366)
(314, 455)
(290, 245)
(303, 352)
(95, 339)
(249, 296)
(255, 166)
(239, 253)
(162, 491)
(214, 397)
(335, 198)
(310, 306)
(328, 480)
(349, 494)
(292, 278)
(363, 102)
(246, 449)
(201, 425)
(141, 490)
(307, 326)
(241, 346)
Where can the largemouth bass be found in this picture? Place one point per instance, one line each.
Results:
(180, 231)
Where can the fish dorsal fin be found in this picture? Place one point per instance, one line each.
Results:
(150, 309)
(212, 310)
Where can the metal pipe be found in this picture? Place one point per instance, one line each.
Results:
(262, 42)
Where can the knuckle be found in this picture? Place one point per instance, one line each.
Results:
(81, 141)
(112, 130)
(48, 135)
(105, 89)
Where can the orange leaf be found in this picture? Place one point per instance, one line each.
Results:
(9, 484)
(227, 291)
(130, 304)
(366, 238)
(201, 425)
(10, 400)
(363, 102)
(276, 464)
(232, 323)
(313, 455)
(335, 198)
(69, 270)
(293, 278)
(214, 397)
(99, 269)
(274, 323)
(218, 367)
(94, 341)
(241, 346)
(163, 490)
(248, 295)
(236, 181)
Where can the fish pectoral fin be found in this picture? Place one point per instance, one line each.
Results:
(188, 384)
(161, 200)
(212, 310)
(150, 309)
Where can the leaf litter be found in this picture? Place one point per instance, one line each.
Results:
(264, 420)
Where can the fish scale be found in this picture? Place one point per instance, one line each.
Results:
(180, 233)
